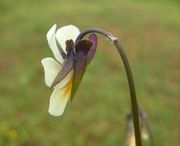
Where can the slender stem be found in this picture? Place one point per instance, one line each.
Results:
(122, 53)
(134, 103)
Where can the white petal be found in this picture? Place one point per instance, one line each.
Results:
(59, 99)
(51, 34)
(51, 69)
(67, 33)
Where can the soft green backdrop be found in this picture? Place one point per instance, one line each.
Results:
(150, 33)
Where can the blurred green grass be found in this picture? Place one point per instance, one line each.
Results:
(150, 34)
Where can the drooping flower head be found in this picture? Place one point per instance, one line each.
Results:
(65, 72)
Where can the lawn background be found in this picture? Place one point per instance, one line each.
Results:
(150, 33)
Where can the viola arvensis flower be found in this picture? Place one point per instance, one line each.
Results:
(65, 72)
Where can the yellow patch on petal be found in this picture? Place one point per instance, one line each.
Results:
(66, 90)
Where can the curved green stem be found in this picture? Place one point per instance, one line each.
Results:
(134, 104)
(122, 53)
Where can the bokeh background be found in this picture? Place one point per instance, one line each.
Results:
(150, 33)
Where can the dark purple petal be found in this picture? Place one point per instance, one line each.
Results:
(92, 51)
(82, 48)
(67, 64)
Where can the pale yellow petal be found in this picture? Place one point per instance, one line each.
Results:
(51, 69)
(59, 99)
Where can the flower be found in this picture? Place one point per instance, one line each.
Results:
(65, 73)
(146, 133)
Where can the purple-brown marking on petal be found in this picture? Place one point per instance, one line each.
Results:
(82, 48)
(67, 64)
(92, 51)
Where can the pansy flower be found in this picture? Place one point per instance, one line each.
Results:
(65, 72)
